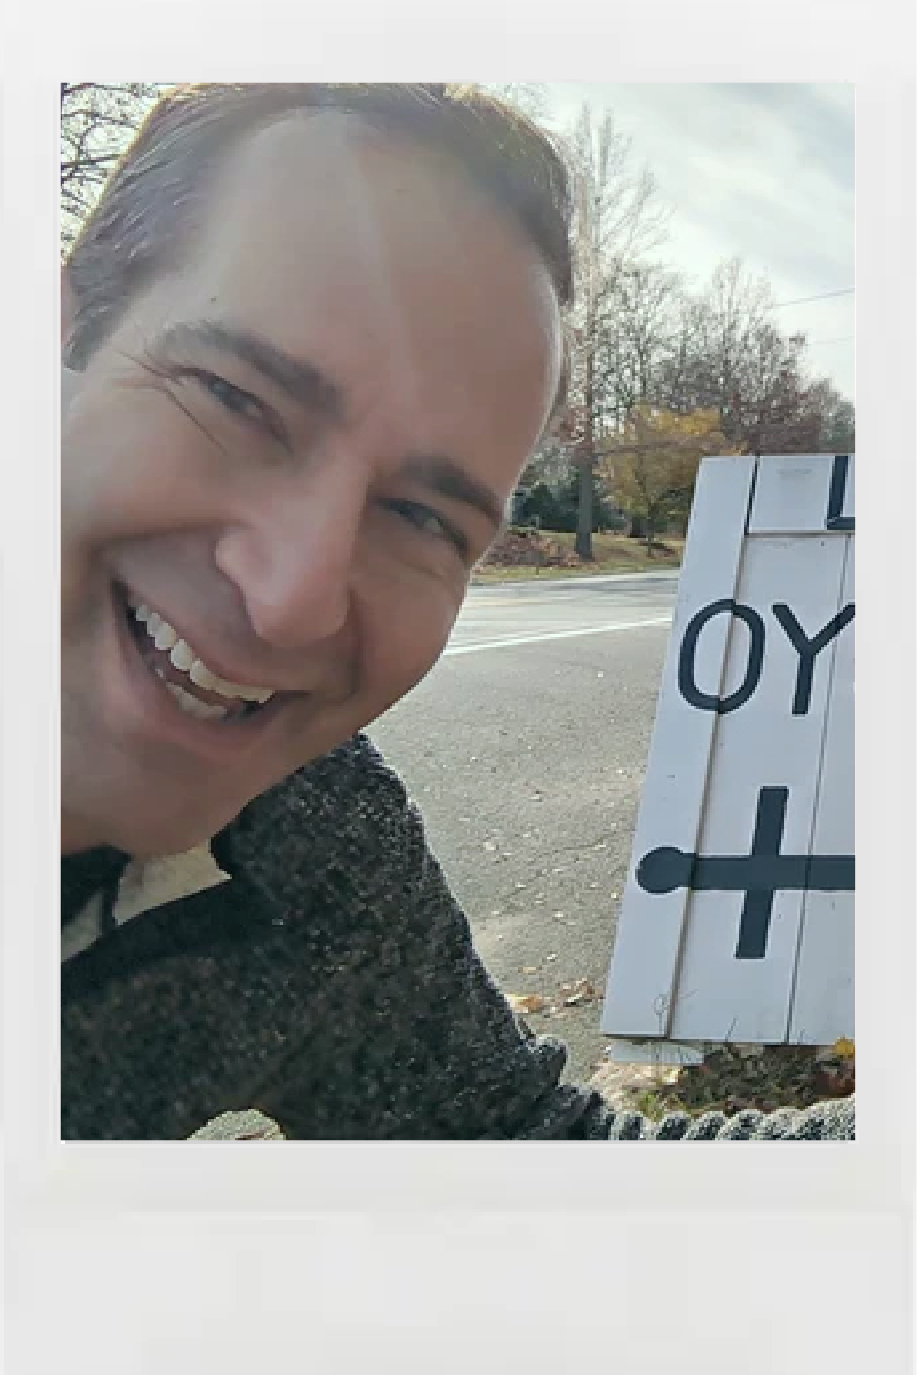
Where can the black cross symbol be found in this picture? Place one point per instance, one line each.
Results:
(759, 875)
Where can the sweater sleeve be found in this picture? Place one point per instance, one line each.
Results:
(416, 1040)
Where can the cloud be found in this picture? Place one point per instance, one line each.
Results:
(759, 171)
(820, 119)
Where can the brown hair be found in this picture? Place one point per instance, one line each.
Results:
(144, 221)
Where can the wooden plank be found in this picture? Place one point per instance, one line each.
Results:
(655, 1052)
(641, 979)
(763, 744)
(796, 494)
(823, 1002)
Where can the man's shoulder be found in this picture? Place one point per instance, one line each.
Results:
(346, 809)
(355, 770)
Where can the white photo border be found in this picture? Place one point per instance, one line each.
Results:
(412, 1253)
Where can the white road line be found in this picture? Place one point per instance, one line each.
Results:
(654, 575)
(554, 635)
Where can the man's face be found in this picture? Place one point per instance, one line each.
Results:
(291, 451)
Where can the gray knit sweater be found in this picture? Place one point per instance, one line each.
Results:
(331, 983)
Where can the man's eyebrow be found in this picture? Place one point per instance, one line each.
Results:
(445, 476)
(302, 383)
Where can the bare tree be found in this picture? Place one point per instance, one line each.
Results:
(617, 225)
(733, 322)
(636, 326)
(98, 122)
(528, 96)
(731, 356)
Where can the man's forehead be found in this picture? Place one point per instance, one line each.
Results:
(326, 183)
(331, 145)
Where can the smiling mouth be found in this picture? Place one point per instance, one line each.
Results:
(195, 688)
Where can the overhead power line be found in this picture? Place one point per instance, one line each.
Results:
(822, 296)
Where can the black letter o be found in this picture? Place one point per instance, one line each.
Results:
(687, 685)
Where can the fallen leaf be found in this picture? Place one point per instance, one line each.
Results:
(580, 992)
(525, 1002)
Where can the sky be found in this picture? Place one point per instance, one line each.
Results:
(763, 172)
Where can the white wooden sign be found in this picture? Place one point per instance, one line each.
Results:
(737, 918)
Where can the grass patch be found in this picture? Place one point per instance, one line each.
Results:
(613, 554)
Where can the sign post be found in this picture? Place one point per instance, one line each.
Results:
(737, 920)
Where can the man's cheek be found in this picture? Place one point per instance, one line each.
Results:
(404, 656)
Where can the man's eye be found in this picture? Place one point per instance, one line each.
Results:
(237, 402)
(232, 398)
(425, 519)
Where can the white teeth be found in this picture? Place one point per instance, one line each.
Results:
(240, 692)
(224, 687)
(253, 694)
(165, 636)
(213, 712)
(193, 707)
(204, 677)
(182, 655)
(200, 674)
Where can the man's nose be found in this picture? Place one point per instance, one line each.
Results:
(292, 557)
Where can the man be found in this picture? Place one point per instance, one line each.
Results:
(312, 335)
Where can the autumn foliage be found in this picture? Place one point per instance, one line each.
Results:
(651, 466)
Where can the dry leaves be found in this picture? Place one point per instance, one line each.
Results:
(575, 994)
(516, 548)
(526, 1002)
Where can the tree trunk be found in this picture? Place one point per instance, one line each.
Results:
(583, 543)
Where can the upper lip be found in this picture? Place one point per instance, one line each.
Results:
(212, 661)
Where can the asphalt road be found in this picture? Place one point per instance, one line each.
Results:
(526, 749)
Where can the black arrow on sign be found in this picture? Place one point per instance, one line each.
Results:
(759, 875)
